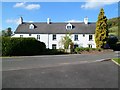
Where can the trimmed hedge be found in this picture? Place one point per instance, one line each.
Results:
(22, 47)
(0, 45)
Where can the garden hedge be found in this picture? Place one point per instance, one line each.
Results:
(22, 47)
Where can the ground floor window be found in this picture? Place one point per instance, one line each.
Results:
(54, 46)
(89, 45)
(76, 45)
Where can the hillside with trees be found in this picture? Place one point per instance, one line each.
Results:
(113, 26)
(114, 33)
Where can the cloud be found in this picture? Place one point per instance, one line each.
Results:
(26, 6)
(74, 20)
(90, 4)
(19, 5)
(16, 21)
(30, 21)
(13, 21)
(32, 6)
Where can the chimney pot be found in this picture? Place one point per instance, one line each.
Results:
(48, 20)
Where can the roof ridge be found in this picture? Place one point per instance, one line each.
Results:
(58, 22)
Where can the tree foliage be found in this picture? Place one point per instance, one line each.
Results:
(113, 26)
(7, 32)
(101, 32)
(113, 22)
(66, 42)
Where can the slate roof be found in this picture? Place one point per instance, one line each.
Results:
(55, 28)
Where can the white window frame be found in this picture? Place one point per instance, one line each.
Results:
(76, 39)
(54, 37)
(69, 25)
(31, 26)
(30, 34)
(91, 38)
(54, 46)
(83, 35)
(38, 37)
(21, 36)
(90, 45)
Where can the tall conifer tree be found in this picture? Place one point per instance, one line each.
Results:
(101, 32)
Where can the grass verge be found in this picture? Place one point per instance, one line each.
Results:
(117, 60)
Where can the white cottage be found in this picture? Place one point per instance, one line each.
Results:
(82, 34)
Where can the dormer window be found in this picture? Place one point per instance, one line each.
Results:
(69, 26)
(31, 26)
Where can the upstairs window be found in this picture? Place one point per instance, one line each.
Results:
(83, 35)
(76, 37)
(21, 36)
(31, 26)
(29, 34)
(54, 37)
(38, 37)
(69, 26)
(90, 37)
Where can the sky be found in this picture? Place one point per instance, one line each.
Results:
(56, 11)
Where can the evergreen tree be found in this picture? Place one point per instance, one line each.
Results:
(9, 32)
(101, 32)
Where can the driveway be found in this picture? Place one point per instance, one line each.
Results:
(60, 71)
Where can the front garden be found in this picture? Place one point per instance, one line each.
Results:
(81, 50)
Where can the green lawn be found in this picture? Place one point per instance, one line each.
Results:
(117, 60)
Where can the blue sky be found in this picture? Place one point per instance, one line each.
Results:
(57, 11)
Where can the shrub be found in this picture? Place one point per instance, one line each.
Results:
(99, 49)
(79, 49)
(93, 48)
(87, 49)
(55, 52)
(22, 46)
(112, 40)
(0, 46)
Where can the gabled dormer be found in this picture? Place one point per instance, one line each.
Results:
(31, 26)
(69, 26)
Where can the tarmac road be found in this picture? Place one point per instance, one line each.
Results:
(66, 71)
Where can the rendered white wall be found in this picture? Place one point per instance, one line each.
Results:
(48, 39)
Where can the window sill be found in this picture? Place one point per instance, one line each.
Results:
(90, 40)
(54, 39)
(76, 40)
